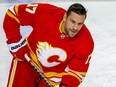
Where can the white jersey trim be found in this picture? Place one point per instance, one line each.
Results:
(12, 10)
(14, 47)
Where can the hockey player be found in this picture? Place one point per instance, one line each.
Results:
(60, 45)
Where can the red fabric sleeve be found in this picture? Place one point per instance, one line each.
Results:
(15, 16)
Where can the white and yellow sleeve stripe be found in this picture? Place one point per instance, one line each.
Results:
(55, 78)
(79, 75)
(13, 12)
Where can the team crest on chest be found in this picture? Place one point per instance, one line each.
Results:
(50, 56)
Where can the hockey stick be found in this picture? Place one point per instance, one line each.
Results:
(38, 70)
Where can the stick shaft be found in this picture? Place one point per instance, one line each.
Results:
(38, 70)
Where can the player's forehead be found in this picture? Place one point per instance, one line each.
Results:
(76, 17)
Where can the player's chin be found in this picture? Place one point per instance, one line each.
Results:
(72, 35)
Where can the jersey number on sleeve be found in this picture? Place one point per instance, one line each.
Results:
(31, 8)
(88, 59)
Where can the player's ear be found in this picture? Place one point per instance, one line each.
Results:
(64, 17)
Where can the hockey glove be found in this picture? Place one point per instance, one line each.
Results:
(18, 48)
(63, 85)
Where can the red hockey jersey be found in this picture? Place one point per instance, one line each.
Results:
(61, 58)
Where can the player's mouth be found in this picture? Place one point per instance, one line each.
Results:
(73, 31)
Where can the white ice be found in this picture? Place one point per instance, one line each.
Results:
(101, 21)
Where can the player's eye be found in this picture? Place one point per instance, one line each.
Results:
(72, 21)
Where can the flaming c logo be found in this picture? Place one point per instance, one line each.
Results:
(45, 52)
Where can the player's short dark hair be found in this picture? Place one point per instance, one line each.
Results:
(77, 8)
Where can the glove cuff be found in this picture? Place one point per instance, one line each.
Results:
(14, 47)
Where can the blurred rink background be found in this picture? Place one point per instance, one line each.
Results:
(101, 21)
